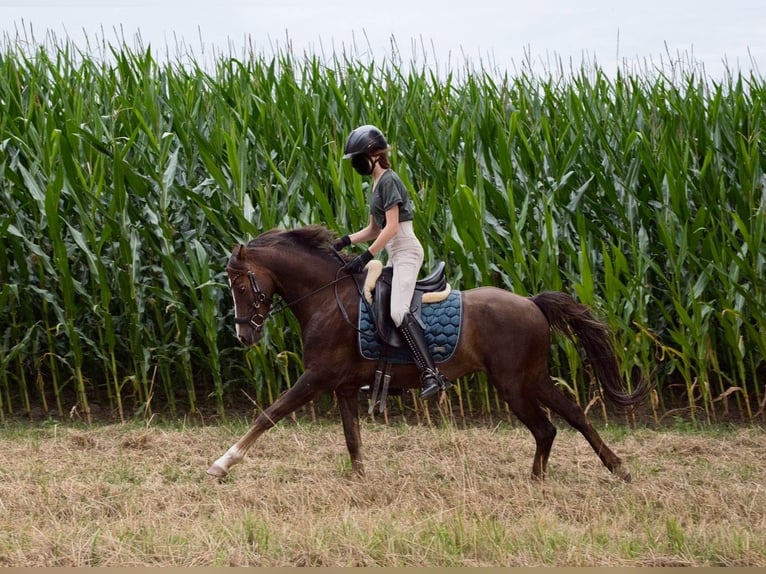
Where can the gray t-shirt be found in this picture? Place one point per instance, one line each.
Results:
(390, 191)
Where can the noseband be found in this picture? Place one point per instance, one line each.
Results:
(256, 319)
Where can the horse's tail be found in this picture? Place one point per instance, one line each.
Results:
(572, 318)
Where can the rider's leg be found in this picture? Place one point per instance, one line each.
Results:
(432, 380)
(407, 261)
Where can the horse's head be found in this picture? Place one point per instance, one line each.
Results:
(252, 289)
(297, 264)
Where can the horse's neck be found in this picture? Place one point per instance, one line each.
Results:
(300, 275)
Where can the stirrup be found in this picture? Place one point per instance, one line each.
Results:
(435, 382)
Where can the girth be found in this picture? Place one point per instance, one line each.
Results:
(381, 306)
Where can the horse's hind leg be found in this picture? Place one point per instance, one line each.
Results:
(524, 405)
(575, 416)
(529, 413)
(349, 415)
(304, 389)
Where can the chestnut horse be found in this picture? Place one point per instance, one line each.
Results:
(505, 335)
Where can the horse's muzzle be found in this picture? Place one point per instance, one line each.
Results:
(248, 334)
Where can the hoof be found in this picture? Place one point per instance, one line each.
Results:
(622, 473)
(216, 471)
(358, 469)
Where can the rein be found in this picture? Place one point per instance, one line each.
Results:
(282, 305)
(341, 308)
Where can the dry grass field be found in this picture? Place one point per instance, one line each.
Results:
(434, 496)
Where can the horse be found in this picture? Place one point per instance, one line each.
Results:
(503, 334)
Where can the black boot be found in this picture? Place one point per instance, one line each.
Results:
(430, 377)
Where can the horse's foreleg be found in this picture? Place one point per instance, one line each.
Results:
(299, 394)
(349, 414)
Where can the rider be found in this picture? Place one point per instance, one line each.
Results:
(391, 228)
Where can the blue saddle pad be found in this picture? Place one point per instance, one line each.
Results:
(442, 330)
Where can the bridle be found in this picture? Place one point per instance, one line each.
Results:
(257, 318)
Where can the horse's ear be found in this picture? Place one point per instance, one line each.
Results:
(241, 252)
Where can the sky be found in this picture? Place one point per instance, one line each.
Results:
(716, 37)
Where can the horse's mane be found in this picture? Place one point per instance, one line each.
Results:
(311, 237)
(315, 239)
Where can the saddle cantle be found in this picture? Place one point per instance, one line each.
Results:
(381, 305)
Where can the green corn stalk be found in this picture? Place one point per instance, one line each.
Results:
(642, 194)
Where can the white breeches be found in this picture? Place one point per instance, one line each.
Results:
(405, 254)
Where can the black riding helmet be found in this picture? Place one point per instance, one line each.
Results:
(364, 140)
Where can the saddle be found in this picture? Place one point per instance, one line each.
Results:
(376, 327)
(435, 283)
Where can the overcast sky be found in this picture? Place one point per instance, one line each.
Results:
(502, 34)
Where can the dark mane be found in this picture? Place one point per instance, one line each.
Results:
(315, 239)
(311, 237)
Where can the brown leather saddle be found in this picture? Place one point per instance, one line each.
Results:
(381, 306)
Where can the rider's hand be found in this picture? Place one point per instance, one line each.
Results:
(357, 264)
(341, 242)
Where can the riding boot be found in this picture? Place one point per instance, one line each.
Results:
(431, 379)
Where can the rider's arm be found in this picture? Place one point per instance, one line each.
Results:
(385, 234)
(368, 233)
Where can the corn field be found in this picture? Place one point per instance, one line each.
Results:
(125, 182)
